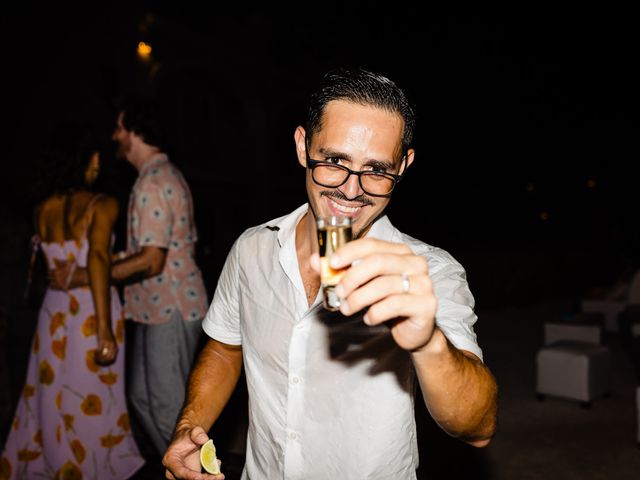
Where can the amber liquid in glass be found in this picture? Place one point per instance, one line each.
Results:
(331, 236)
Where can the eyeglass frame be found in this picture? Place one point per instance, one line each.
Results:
(312, 164)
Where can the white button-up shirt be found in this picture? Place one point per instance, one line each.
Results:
(329, 397)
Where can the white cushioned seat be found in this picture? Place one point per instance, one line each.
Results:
(574, 370)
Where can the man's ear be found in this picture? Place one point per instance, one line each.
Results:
(134, 137)
(404, 166)
(299, 137)
(410, 155)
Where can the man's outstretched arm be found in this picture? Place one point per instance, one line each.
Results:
(394, 286)
(459, 390)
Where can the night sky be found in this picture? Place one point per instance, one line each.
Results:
(526, 131)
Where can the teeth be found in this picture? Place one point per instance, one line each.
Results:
(345, 209)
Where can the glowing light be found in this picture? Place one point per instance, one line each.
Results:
(144, 49)
(530, 187)
(544, 216)
(591, 183)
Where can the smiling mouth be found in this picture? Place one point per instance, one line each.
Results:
(346, 210)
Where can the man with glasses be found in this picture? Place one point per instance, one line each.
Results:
(377, 181)
(331, 393)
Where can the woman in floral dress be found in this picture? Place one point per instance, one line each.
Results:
(71, 421)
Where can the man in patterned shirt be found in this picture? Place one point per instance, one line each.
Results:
(164, 292)
(164, 295)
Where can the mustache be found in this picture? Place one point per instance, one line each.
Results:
(338, 195)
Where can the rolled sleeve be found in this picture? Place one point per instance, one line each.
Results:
(222, 321)
(455, 315)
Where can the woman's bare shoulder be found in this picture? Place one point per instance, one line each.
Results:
(106, 201)
(106, 205)
(46, 207)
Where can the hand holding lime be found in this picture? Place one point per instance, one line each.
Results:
(208, 458)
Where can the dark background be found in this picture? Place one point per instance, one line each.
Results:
(526, 122)
(526, 140)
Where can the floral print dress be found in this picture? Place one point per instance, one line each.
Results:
(71, 421)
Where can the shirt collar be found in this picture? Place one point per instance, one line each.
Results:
(154, 161)
(382, 228)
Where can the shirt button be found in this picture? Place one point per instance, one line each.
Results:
(293, 435)
(295, 379)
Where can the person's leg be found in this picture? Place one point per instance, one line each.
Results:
(193, 333)
(171, 348)
(138, 387)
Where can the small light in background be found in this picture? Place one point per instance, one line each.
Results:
(544, 216)
(591, 183)
(144, 50)
(530, 187)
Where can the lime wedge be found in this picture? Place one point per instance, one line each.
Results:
(208, 458)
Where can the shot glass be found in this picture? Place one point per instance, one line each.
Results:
(333, 232)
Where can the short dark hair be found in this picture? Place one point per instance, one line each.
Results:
(143, 116)
(365, 88)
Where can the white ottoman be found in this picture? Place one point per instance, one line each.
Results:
(581, 332)
(575, 370)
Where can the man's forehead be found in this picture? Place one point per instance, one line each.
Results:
(345, 112)
(344, 123)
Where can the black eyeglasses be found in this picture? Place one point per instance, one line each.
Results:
(331, 175)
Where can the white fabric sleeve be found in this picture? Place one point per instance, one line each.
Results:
(222, 321)
(455, 315)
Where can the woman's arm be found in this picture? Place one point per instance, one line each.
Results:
(104, 216)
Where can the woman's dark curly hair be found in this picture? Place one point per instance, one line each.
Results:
(66, 158)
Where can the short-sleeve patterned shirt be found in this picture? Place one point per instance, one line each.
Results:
(161, 214)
